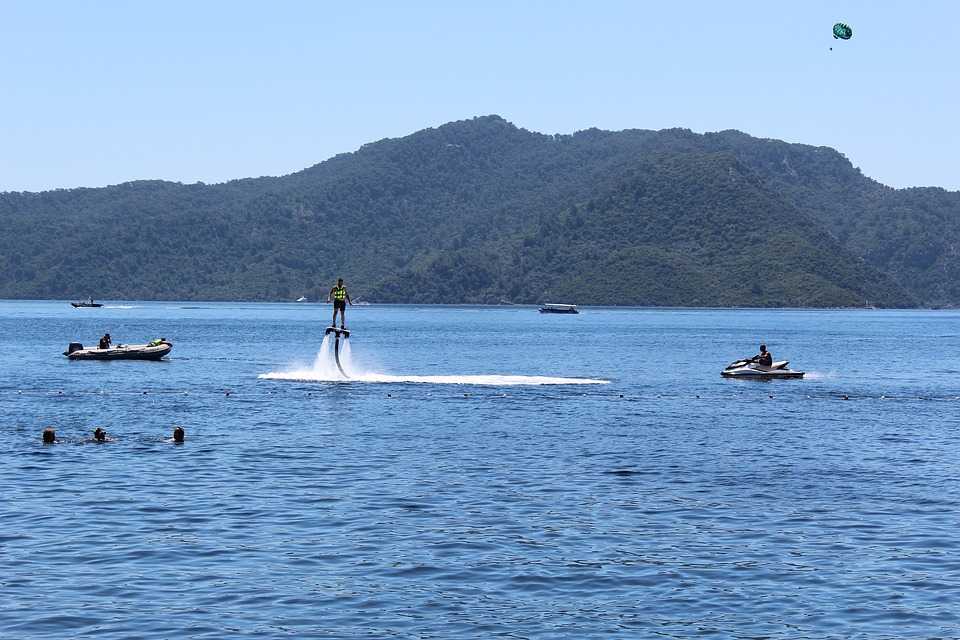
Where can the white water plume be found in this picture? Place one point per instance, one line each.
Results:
(325, 369)
(324, 365)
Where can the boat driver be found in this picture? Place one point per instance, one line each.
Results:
(763, 358)
(105, 341)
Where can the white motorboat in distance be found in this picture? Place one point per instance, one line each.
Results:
(550, 307)
(86, 304)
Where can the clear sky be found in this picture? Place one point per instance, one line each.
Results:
(95, 93)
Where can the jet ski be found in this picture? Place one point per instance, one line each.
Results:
(754, 371)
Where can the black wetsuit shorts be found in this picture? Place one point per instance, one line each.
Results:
(340, 304)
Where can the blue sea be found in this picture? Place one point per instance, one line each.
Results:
(486, 472)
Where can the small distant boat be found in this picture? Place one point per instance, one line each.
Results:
(302, 299)
(559, 308)
(154, 350)
(87, 303)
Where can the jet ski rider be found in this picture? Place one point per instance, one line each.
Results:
(763, 358)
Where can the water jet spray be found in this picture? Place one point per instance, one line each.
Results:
(337, 334)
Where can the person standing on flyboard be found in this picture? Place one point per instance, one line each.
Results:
(340, 300)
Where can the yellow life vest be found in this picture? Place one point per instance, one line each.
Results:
(339, 293)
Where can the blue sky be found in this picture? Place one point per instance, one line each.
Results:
(97, 93)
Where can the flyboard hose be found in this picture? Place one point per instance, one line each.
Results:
(337, 333)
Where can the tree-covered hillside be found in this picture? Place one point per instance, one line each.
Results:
(482, 211)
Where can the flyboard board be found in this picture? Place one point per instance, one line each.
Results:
(337, 334)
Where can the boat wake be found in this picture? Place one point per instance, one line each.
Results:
(487, 380)
(324, 369)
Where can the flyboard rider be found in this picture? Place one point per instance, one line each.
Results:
(340, 300)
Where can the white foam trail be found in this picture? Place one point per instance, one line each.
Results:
(324, 369)
(310, 375)
(121, 306)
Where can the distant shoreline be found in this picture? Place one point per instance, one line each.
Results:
(520, 305)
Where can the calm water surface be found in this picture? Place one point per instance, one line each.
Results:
(666, 503)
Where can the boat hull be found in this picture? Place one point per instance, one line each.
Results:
(763, 375)
(558, 308)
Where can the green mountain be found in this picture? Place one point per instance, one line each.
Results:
(482, 211)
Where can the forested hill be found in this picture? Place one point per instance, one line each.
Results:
(482, 211)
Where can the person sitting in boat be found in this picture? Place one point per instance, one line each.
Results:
(105, 341)
(763, 358)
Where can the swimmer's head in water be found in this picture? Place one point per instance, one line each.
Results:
(99, 435)
(49, 435)
(178, 434)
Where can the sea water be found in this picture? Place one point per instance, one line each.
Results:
(484, 472)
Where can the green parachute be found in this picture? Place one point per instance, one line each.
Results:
(842, 31)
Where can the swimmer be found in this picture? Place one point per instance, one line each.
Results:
(178, 434)
(49, 436)
(99, 435)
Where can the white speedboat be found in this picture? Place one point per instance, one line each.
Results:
(755, 371)
(302, 299)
